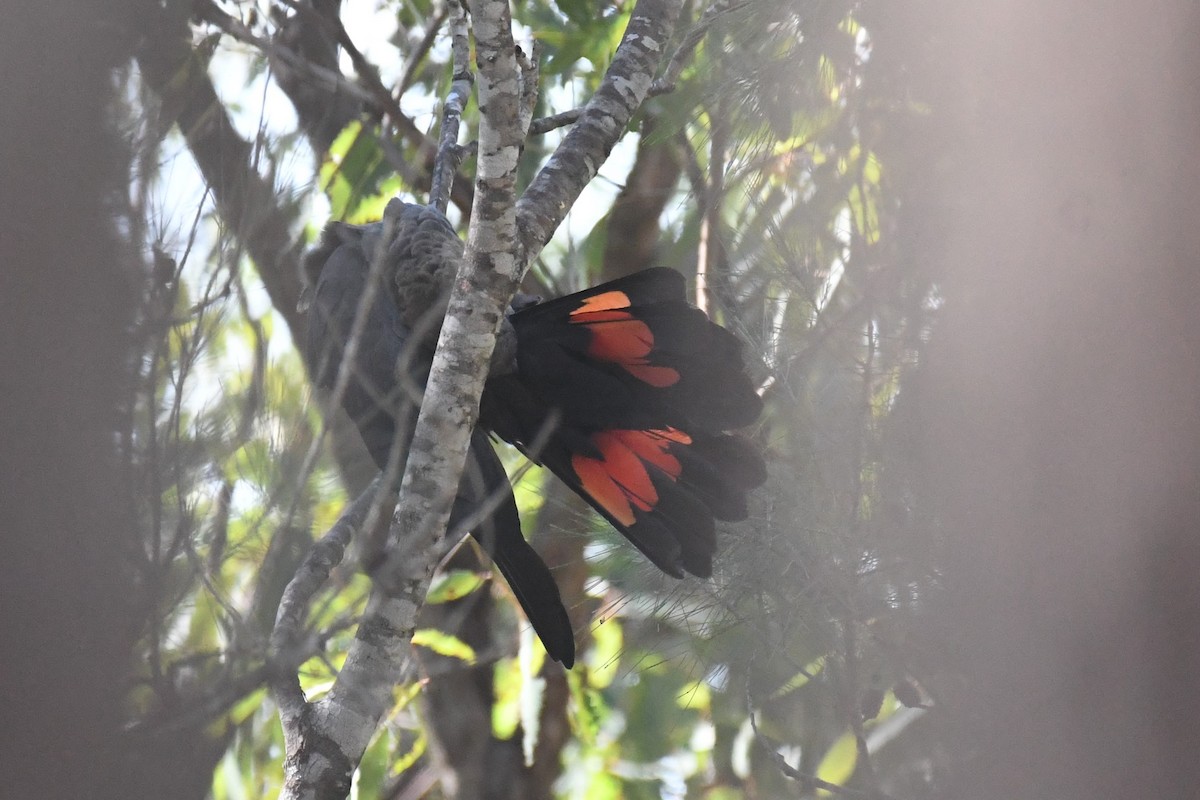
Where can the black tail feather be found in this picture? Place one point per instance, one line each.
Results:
(499, 534)
(634, 354)
(644, 387)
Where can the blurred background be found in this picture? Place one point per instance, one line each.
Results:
(959, 240)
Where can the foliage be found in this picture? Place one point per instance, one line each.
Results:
(797, 648)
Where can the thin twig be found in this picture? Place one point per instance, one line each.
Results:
(369, 75)
(368, 89)
(850, 680)
(543, 125)
(687, 47)
(212, 13)
(693, 170)
(807, 781)
(529, 74)
(852, 708)
(409, 75)
(449, 154)
(349, 354)
(603, 121)
(483, 510)
(287, 646)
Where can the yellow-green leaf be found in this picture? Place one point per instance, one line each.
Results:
(608, 641)
(695, 695)
(506, 709)
(810, 671)
(837, 765)
(453, 585)
(444, 644)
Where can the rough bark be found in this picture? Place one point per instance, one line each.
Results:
(449, 154)
(601, 124)
(326, 739)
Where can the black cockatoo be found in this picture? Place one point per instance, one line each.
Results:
(626, 390)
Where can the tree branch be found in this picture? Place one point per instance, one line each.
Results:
(449, 154)
(328, 737)
(486, 281)
(632, 238)
(554, 121)
(368, 76)
(246, 201)
(287, 639)
(418, 53)
(683, 53)
(601, 124)
(305, 64)
(807, 782)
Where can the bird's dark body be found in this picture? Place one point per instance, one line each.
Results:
(626, 390)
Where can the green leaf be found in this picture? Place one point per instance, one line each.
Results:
(373, 766)
(872, 169)
(444, 644)
(243, 708)
(603, 786)
(229, 782)
(839, 761)
(356, 176)
(506, 709)
(604, 658)
(590, 708)
(454, 585)
(865, 213)
(810, 671)
(723, 793)
(408, 759)
(695, 696)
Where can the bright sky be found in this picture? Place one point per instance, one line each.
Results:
(259, 108)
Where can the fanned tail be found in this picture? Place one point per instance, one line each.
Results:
(633, 353)
(641, 390)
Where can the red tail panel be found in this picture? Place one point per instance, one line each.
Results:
(620, 338)
(643, 387)
(619, 480)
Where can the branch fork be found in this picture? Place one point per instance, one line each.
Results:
(325, 740)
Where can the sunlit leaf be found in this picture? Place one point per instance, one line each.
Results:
(872, 169)
(589, 708)
(802, 194)
(373, 766)
(723, 793)
(454, 585)
(506, 707)
(604, 657)
(444, 644)
(810, 671)
(604, 787)
(695, 696)
(406, 760)
(837, 765)
(242, 710)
